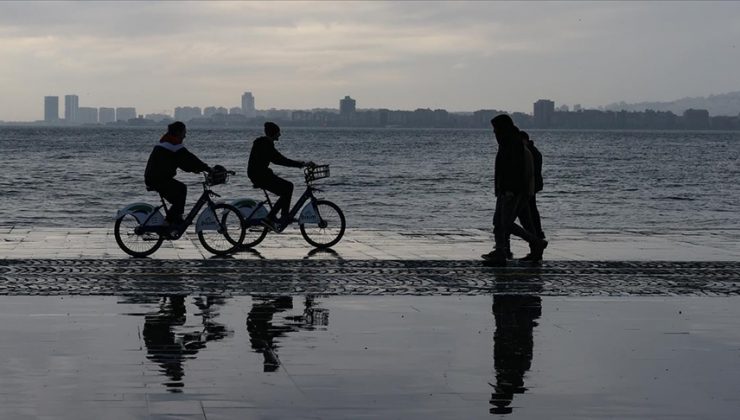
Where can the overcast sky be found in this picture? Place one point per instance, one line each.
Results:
(397, 55)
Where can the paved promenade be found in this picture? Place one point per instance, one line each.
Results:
(364, 244)
(367, 262)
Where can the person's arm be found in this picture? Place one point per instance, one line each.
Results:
(188, 162)
(279, 159)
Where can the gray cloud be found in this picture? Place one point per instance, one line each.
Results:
(456, 55)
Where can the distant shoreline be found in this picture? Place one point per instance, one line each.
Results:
(341, 128)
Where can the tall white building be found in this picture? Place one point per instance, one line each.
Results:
(71, 107)
(248, 105)
(51, 108)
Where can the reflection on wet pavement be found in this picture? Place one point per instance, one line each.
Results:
(386, 357)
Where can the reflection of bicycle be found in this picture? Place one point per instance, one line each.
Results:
(321, 222)
(140, 228)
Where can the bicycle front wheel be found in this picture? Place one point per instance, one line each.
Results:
(254, 234)
(229, 234)
(136, 245)
(330, 227)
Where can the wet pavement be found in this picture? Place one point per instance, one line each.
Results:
(391, 357)
(365, 244)
(388, 325)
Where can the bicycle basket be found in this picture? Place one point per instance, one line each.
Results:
(217, 176)
(316, 172)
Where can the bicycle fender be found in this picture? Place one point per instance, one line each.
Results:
(141, 212)
(206, 221)
(247, 206)
(308, 215)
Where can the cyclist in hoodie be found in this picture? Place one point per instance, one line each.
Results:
(262, 154)
(166, 157)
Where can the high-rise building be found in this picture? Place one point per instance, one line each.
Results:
(51, 108)
(248, 108)
(106, 115)
(71, 107)
(125, 113)
(86, 115)
(544, 110)
(347, 106)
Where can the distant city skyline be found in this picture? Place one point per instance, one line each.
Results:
(73, 113)
(400, 55)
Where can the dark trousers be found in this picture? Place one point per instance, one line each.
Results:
(535, 214)
(175, 192)
(508, 208)
(283, 189)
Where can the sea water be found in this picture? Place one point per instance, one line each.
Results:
(389, 178)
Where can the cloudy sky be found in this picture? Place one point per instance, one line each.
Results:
(399, 55)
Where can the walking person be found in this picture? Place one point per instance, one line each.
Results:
(262, 154)
(538, 184)
(512, 186)
(528, 214)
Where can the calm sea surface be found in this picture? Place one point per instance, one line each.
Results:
(390, 178)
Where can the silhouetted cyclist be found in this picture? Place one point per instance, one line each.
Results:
(263, 153)
(166, 157)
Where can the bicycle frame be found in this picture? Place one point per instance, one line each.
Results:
(306, 196)
(205, 198)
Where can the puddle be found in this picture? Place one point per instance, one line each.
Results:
(371, 357)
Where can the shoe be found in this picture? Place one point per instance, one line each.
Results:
(536, 251)
(270, 224)
(531, 258)
(495, 257)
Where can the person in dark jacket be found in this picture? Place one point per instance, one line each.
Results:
(512, 189)
(528, 214)
(166, 157)
(538, 184)
(262, 155)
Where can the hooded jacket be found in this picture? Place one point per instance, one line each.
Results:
(263, 153)
(510, 165)
(166, 157)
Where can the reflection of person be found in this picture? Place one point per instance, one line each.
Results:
(168, 349)
(511, 185)
(262, 154)
(264, 330)
(166, 157)
(513, 345)
(161, 345)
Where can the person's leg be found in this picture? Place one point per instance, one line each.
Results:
(507, 216)
(497, 226)
(528, 231)
(284, 190)
(536, 222)
(176, 193)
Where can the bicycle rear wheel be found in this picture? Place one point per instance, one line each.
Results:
(132, 243)
(330, 227)
(230, 233)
